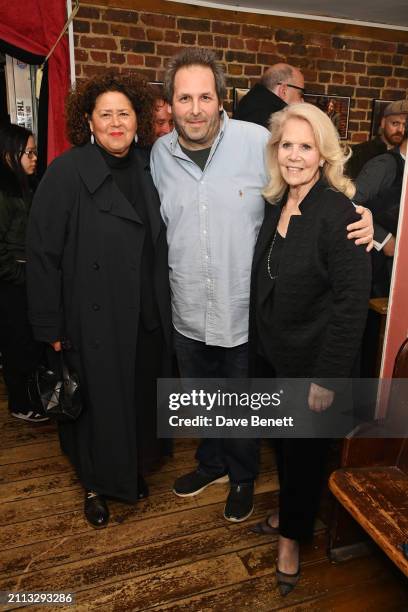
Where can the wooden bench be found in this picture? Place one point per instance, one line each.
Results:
(377, 498)
(372, 486)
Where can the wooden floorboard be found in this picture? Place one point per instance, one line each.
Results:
(166, 552)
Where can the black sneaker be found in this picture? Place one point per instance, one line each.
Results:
(240, 502)
(195, 482)
(32, 416)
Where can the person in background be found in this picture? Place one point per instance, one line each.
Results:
(379, 186)
(20, 353)
(309, 298)
(392, 129)
(98, 277)
(280, 84)
(162, 117)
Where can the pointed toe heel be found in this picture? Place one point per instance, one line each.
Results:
(286, 582)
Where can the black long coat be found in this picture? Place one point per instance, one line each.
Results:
(84, 252)
(322, 290)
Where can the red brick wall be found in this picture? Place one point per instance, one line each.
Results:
(360, 67)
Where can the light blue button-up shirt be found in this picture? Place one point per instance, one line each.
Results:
(212, 218)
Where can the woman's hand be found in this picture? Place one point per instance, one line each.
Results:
(362, 231)
(319, 398)
(56, 346)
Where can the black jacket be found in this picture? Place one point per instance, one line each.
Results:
(384, 205)
(322, 290)
(13, 224)
(84, 252)
(258, 105)
(362, 153)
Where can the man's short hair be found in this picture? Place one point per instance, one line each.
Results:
(194, 57)
(274, 76)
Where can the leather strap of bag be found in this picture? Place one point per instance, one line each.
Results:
(65, 377)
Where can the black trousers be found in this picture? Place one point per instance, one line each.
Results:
(237, 457)
(301, 464)
(301, 469)
(20, 353)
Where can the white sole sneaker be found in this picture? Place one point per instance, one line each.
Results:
(221, 480)
(32, 417)
(233, 519)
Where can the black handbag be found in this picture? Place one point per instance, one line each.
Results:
(56, 394)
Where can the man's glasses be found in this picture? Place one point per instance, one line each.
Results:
(31, 153)
(293, 86)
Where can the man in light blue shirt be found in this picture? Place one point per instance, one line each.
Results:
(210, 172)
(213, 216)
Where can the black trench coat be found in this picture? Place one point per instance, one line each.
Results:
(84, 253)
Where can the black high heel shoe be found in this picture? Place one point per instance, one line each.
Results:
(96, 509)
(286, 582)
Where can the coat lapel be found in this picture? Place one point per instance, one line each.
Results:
(272, 214)
(119, 205)
(98, 180)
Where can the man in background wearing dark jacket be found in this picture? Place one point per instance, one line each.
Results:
(379, 187)
(392, 129)
(281, 84)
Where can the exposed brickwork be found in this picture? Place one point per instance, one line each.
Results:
(143, 40)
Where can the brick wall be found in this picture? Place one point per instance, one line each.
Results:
(342, 64)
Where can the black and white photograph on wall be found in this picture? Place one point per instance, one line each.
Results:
(238, 94)
(377, 115)
(336, 107)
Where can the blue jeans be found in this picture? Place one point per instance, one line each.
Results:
(239, 458)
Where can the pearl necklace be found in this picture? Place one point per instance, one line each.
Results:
(271, 276)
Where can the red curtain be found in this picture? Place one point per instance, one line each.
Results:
(34, 25)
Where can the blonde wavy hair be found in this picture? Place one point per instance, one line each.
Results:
(334, 154)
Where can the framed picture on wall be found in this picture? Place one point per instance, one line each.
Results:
(238, 94)
(376, 115)
(336, 107)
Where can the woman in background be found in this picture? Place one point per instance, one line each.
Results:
(309, 300)
(98, 278)
(20, 354)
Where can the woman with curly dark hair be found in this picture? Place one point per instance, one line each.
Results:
(20, 354)
(98, 278)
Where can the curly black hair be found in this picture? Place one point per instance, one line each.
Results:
(81, 103)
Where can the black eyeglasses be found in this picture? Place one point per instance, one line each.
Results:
(31, 153)
(292, 86)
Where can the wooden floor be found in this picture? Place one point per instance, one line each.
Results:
(166, 553)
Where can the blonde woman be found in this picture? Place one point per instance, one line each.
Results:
(310, 289)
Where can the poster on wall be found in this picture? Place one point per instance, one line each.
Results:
(20, 93)
(336, 107)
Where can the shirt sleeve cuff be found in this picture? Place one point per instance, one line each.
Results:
(380, 245)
